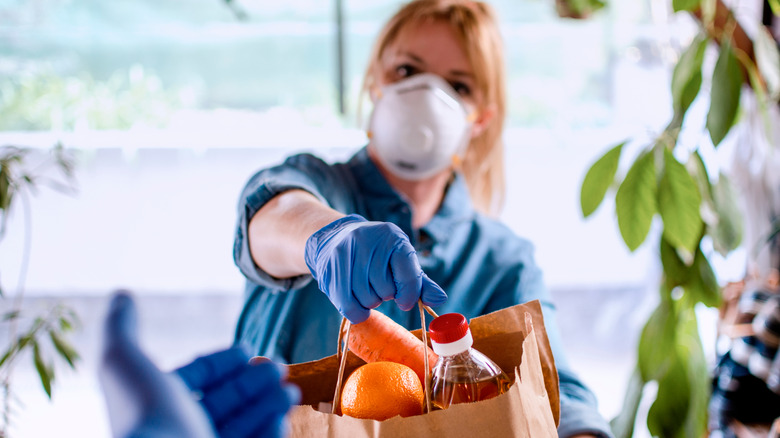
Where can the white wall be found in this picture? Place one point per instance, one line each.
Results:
(157, 218)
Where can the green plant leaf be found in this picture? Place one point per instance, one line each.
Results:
(24, 341)
(6, 189)
(708, 210)
(775, 5)
(12, 349)
(578, 9)
(13, 314)
(691, 350)
(65, 161)
(64, 348)
(698, 170)
(757, 86)
(768, 60)
(65, 325)
(678, 204)
(708, 12)
(703, 286)
(724, 99)
(669, 411)
(676, 272)
(623, 425)
(726, 233)
(656, 341)
(635, 201)
(598, 179)
(686, 78)
(69, 319)
(685, 5)
(45, 373)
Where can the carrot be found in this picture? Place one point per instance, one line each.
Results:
(379, 338)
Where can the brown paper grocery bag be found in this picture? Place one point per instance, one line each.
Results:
(514, 338)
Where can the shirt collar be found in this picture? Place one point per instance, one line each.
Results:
(455, 208)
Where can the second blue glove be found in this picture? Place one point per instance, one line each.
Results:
(241, 400)
(358, 264)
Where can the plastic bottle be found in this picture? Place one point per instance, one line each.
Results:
(461, 374)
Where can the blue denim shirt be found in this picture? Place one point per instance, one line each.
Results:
(481, 264)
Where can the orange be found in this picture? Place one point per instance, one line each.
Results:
(381, 390)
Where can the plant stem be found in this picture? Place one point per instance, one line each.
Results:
(726, 27)
(16, 308)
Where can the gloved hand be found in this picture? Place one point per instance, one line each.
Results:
(143, 401)
(359, 264)
(242, 400)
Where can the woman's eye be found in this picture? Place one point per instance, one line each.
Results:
(405, 70)
(461, 88)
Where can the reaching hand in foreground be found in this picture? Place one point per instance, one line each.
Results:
(237, 399)
(359, 264)
(242, 400)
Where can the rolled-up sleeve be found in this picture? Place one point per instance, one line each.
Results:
(298, 172)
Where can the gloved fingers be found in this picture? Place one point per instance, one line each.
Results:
(225, 398)
(211, 369)
(339, 291)
(362, 289)
(264, 408)
(121, 325)
(366, 297)
(407, 276)
(432, 294)
(380, 275)
(292, 392)
(353, 311)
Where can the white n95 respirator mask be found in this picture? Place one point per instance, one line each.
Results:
(418, 126)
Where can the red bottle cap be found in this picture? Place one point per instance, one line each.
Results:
(447, 328)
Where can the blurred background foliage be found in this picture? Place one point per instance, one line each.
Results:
(40, 99)
(61, 61)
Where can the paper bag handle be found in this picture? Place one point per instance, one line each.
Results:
(341, 355)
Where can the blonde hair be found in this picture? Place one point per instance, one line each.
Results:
(475, 24)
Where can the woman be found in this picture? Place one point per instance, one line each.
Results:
(414, 203)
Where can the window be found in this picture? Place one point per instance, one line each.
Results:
(172, 64)
(161, 93)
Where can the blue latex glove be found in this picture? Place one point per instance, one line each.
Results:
(242, 400)
(143, 401)
(237, 400)
(359, 264)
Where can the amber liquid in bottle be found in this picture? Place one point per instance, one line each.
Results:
(465, 378)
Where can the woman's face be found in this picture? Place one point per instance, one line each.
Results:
(430, 48)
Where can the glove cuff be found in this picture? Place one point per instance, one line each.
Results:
(323, 235)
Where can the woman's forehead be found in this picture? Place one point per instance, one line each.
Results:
(434, 41)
